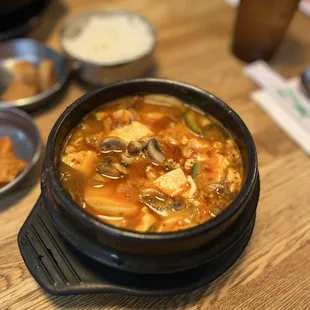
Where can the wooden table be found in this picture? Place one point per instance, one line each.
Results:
(194, 46)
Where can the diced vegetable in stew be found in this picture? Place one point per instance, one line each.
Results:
(151, 164)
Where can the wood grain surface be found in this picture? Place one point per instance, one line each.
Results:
(194, 38)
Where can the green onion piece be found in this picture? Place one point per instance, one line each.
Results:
(191, 123)
(195, 170)
(98, 116)
(215, 132)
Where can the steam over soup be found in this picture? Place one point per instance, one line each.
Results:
(151, 164)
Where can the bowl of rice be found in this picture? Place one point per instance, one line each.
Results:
(108, 46)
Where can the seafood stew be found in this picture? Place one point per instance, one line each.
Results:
(151, 164)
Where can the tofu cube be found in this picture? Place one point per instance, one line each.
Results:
(132, 132)
(217, 167)
(234, 179)
(83, 161)
(100, 200)
(172, 183)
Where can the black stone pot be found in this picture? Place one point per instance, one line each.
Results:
(149, 252)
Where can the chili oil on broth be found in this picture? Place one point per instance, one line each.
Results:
(151, 164)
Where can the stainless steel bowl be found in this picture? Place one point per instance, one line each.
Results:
(32, 51)
(98, 74)
(25, 138)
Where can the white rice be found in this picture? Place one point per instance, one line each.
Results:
(109, 39)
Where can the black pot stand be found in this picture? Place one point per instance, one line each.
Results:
(62, 270)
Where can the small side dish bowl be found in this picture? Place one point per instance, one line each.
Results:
(26, 141)
(16, 50)
(94, 73)
(118, 247)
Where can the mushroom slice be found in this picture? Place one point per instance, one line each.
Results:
(178, 204)
(109, 170)
(112, 145)
(156, 201)
(160, 203)
(120, 168)
(154, 152)
(126, 159)
(143, 142)
(134, 148)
